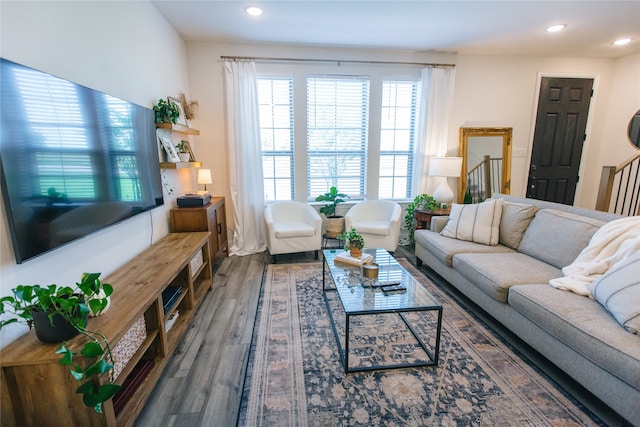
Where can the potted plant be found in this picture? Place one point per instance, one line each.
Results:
(166, 111)
(64, 307)
(421, 201)
(335, 223)
(183, 153)
(354, 242)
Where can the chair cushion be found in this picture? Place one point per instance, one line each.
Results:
(557, 237)
(284, 230)
(380, 228)
(619, 292)
(494, 274)
(479, 223)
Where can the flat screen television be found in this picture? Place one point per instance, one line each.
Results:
(73, 160)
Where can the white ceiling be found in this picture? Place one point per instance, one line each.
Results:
(473, 27)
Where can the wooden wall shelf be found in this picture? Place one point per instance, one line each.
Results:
(37, 390)
(178, 128)
(180, 165)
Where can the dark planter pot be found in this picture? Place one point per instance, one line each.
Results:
(55, 331)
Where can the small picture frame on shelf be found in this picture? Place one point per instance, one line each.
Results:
(182, 119)
(169, 149)
(187, 146)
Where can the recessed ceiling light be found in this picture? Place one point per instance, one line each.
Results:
(253, 11)
(622, 42)
(556, 28)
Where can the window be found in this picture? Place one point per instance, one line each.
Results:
(356, 131)
(337, 134)
(275, 99)
(397, 138)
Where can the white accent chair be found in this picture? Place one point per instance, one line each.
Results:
(292, 227)
(378, 221)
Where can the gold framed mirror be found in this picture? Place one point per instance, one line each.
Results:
(486, 163)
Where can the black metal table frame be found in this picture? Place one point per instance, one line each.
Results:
(344, 353)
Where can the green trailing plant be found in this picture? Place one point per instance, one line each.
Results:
(334, 198)
(352, 239)
(166, 111)
(73, 305)
(421, 201)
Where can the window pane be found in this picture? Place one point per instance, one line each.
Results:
(275, 99)
(397, 138)
(337, 134)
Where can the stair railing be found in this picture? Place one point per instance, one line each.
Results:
(619, 190)
(484, 179)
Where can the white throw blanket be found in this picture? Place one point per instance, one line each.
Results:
(612, 243)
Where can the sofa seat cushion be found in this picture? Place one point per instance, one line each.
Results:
(582, 324)
(444, 248)
(557, 237)
(494, 273)
(379, 228)
(288, 229)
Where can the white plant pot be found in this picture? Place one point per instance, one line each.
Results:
(184, 157)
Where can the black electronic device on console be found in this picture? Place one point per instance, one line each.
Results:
(194, 199)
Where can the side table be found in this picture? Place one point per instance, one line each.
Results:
(423, 217)
(326, 239)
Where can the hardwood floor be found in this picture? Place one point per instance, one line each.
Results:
(202, 384)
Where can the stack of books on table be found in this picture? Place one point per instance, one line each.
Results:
(345, 258)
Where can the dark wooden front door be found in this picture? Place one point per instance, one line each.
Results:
(559, 134)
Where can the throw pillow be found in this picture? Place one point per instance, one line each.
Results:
(514, 222)
(479, 223)
(618, 290)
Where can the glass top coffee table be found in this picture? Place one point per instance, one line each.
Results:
(360, 296)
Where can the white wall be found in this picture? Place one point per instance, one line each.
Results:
(624, 101)
(125, 49)
(489, 91)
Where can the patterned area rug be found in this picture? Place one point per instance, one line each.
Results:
(295, 376)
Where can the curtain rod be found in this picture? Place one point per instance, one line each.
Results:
(338, 61)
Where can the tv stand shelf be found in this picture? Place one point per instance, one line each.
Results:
(37, 390)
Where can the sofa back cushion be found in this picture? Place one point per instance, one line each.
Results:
(479, 223)
(557, 237)
(516, 217)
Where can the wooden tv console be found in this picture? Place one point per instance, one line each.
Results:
(37, 390)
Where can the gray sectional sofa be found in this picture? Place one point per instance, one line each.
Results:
(510, 281)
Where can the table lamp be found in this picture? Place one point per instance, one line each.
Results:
(204, 177)
(444, 167)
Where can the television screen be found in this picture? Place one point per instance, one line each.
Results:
(73, 160)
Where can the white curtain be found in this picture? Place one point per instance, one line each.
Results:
(433, 131)
(245, 158)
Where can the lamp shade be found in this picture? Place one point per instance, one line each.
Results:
(445, 166)
(204, 176)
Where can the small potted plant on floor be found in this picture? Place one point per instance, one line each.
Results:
(354, 242)
(421, 201)
(335, 223)
(54, 308)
